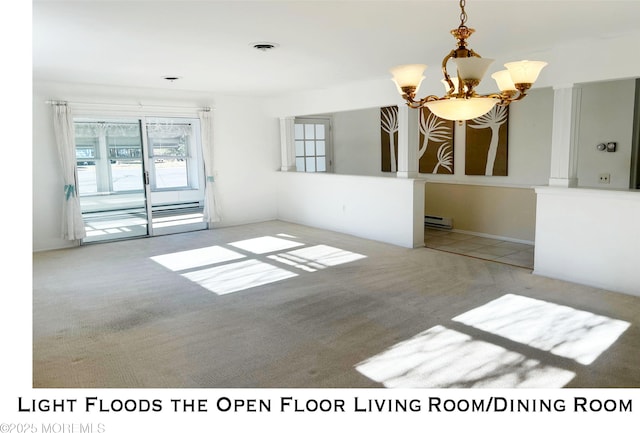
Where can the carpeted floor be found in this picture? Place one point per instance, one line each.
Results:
(278, 305)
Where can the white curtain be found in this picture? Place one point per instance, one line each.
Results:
(72, 225)
(211, 207)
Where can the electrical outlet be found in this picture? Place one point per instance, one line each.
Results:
(604, 178)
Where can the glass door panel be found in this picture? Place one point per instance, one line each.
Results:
(111, 179)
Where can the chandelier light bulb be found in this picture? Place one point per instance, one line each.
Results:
(504, 81)
(472, 68)
(525, 71)
(408, 76)
(460, 108)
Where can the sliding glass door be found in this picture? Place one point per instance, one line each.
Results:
(111, 177)
(139, 177)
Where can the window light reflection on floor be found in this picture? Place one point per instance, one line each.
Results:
(223, 270)
(561, 330)
(325, 255)
(317, 257)
(196, 258)
(237, 276)
(265, 244)
(443, 358)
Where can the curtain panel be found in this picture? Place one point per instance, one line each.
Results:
(72, 224)
(211, 207)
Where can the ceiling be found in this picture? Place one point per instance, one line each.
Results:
(321, 43)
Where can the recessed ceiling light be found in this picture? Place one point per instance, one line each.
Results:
(264, 46)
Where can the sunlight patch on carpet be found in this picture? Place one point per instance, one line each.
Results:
(317, 257)
(443, 358)
(196, 258)
(561, 330)
(265, 244)
(237, 276)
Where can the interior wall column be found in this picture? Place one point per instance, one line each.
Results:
(287, 149)
(564, 138)
(407, 142)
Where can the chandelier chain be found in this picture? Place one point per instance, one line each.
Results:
(463, 14)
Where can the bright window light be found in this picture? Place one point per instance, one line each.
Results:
(311, 259)
(237, 276)
(323, 255)
(444, 358)
(561, 330)
(265, 244)
(295, 262)
(196, 258)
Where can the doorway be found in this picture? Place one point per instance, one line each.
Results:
(139, 177)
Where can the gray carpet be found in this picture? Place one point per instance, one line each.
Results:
(278, 305)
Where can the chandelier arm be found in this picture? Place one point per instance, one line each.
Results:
(447, 78)
(412, 103)
(507, 97)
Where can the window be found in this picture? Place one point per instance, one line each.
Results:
(171, 147)
(110, 155)
(312, 145)
(112, 148)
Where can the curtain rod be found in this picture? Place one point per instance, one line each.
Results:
(128, 106)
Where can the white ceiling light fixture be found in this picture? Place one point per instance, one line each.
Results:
(461, 102)
(171, 78)
(264, 46)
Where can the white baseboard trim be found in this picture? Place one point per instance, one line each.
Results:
(501, 238)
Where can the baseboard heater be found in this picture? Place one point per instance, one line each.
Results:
(183, 207)
(438, 222)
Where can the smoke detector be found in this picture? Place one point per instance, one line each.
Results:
(264, 46)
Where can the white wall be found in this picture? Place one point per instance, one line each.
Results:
(356, 142)
(246, 152)
(247, 156)
(606, 114)
(385, 209)
(589, 236)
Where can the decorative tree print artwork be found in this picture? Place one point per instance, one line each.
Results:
(486, 144)
(389, 138)
(435, 154)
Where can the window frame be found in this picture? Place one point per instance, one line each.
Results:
(304, 157)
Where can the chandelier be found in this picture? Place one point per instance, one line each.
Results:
(461, 102)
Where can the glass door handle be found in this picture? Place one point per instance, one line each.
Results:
(146, 178)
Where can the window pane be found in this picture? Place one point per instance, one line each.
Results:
(86, 147)
(123, 140)
(299, 164)
(87, 183)
(309, 148)
(127, 176)
(311, 164)
(308, 131)
(320, 148)
(124, 147)
(320, 132)
(169, 146)
(299, 148)
(299, 131)
(322, 165)
(171, 173)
